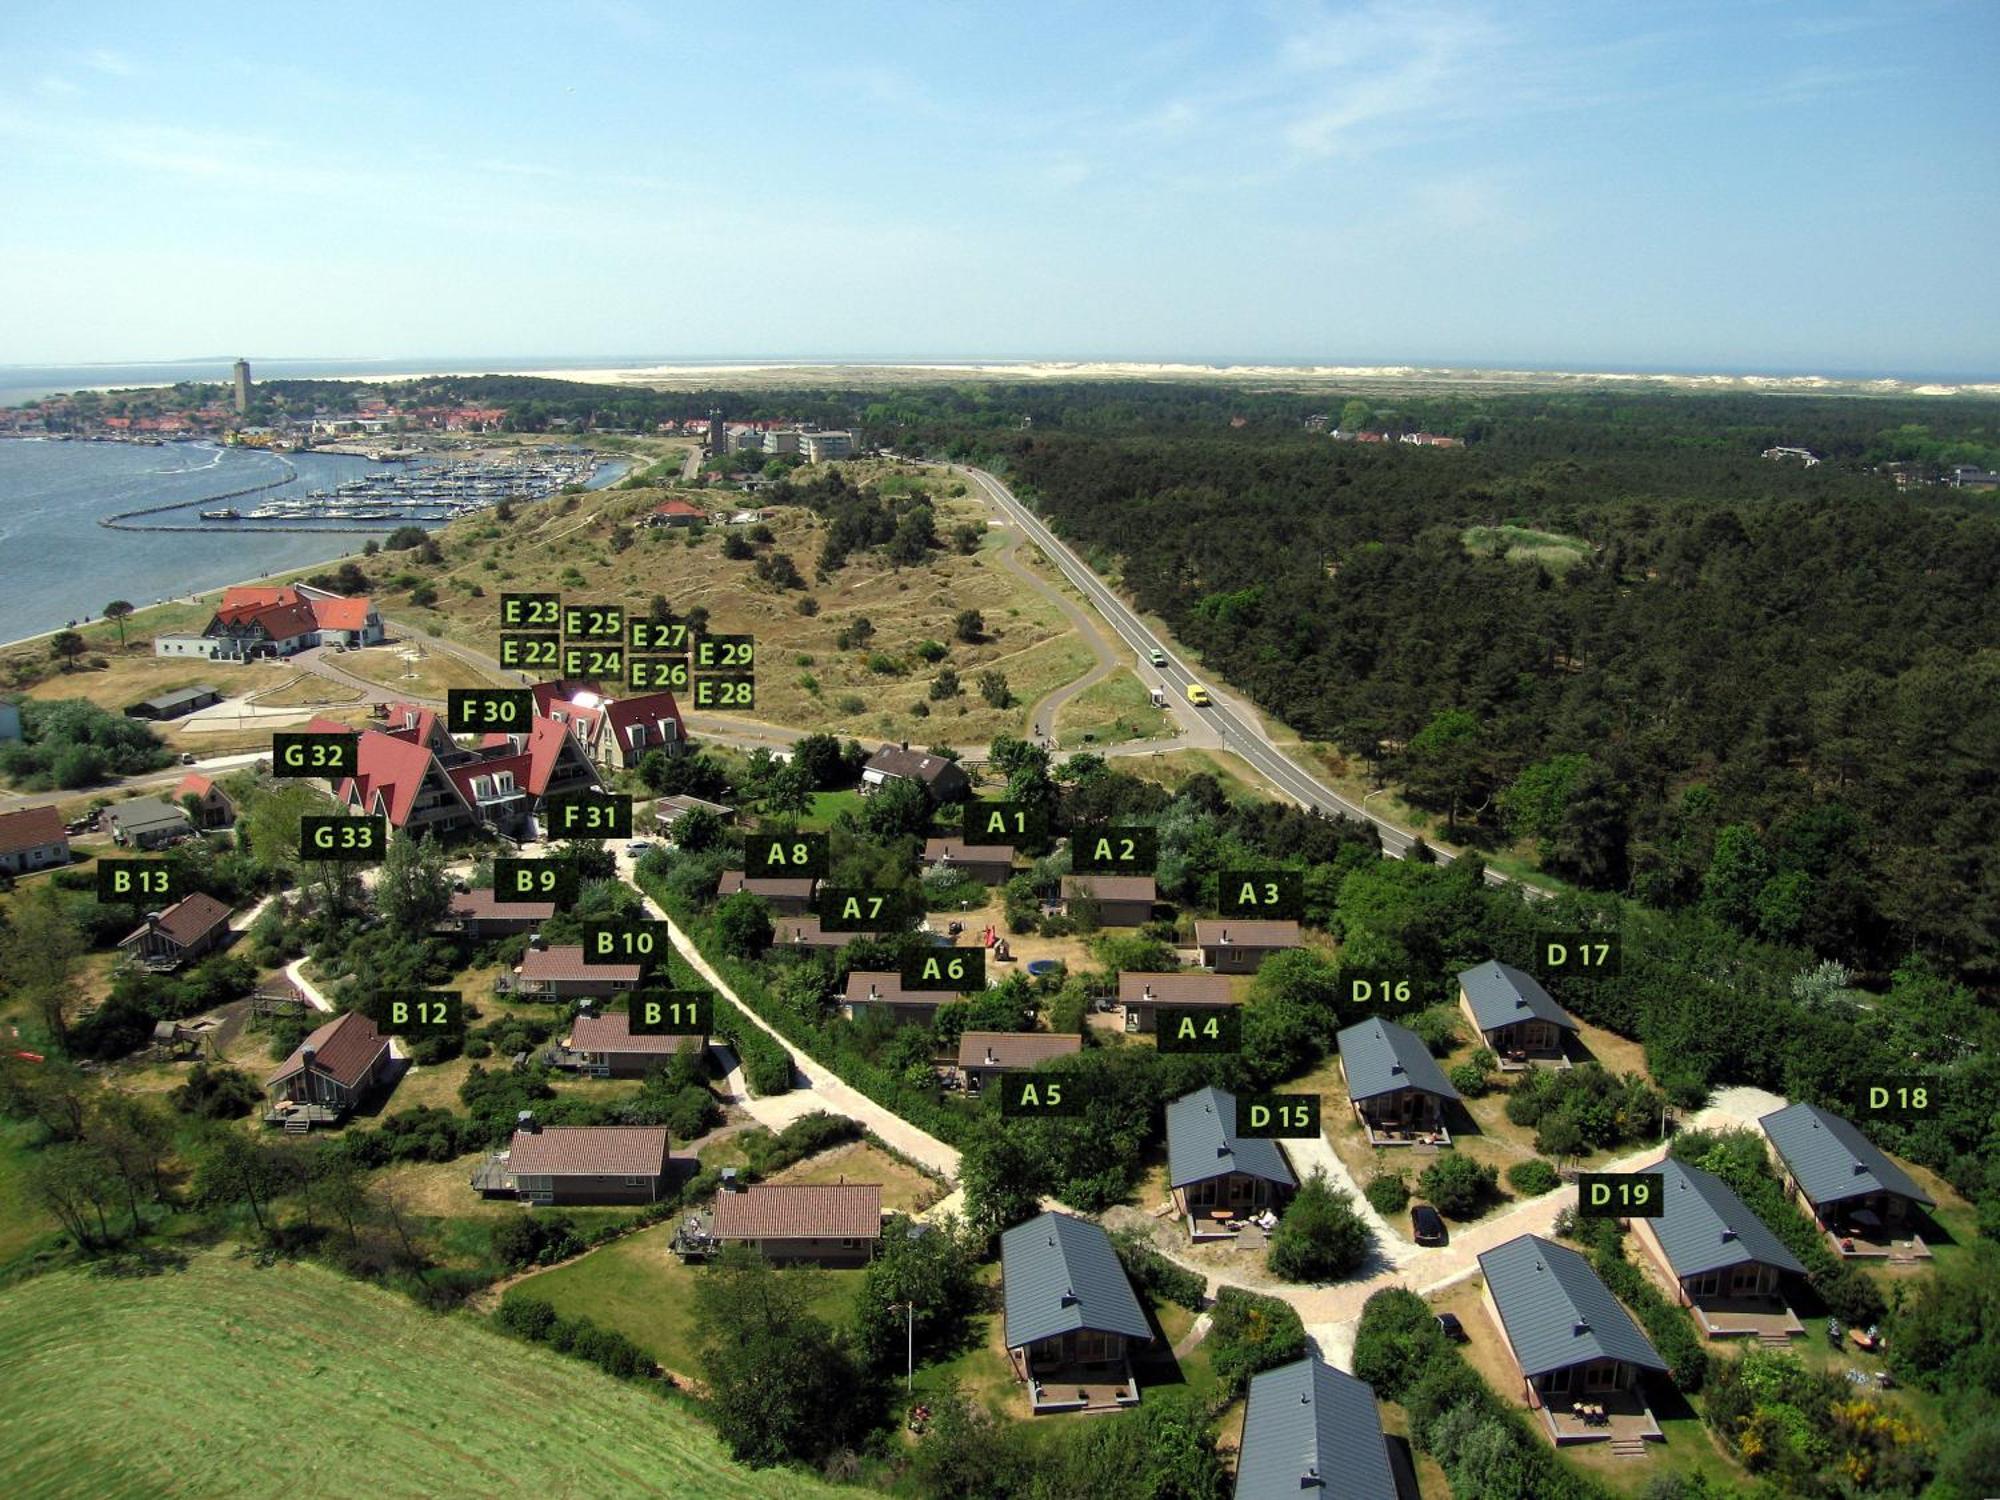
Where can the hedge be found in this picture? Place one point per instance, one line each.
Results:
(767, 1066)
(1486, 1449)
(1251, 1332)
(1157, 1277)
(537, 1322)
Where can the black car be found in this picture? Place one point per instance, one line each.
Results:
(1452, 1329)
(1428, 1226)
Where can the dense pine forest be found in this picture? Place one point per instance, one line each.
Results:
(1606, 626)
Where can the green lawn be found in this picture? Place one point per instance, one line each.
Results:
(1551, 549)
(826, 806)
(22, 1223)
(636, 1286)
(223, 1379)
(1110, 712)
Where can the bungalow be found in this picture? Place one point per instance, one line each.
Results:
(786, 895)
(1141, 994)
(604, 1046)
(1070, 1315)
(1580, 1356)
(616, 733)
(1862, 1199)
(213, 809)
(1237, 945)
(32, 839)
(559, 973)
(1309, 1429)
(827, 1224)
(580, 1164)
(478, 915)
(677, 513)
(1513, 1015)
(147, 823)
(173, 705)
(1397, 1089)
(1121, 900)
(989, 864)
(1725, 1265)
(1219, 1179)
(669, 810)
(189, 929)
(944, 779)
(328, 1074)
(249, 630)
(985, 1055)
(344, 621)
(805, 933)
(871, 991)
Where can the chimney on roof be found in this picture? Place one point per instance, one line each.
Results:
(1310, 1480)
(1225, 934)
(307, 1054)
(1579, 1327)
(525, 1123)
(906, 744)
(1069, 1296)
(989, 1053)
(1728, 1233)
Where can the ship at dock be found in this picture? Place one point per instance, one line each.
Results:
(431, 492)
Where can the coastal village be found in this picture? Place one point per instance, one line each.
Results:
(1067, 1072)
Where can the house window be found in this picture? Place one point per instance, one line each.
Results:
(1601, 1377)
(847, 1244)
(635, 1182)
(638, 736)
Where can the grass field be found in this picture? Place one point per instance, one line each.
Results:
(307, 690)
(1111, 712)
(904, 1188)
(130, 680)
(637, 1286)
(223, 1379)
(22, 1222)
(1551, 549)
(430, 676)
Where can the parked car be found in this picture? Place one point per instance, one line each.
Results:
(1426, 1224)
(638, 847)
(1451, 1328)
(187, 757)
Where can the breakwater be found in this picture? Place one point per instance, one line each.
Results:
(121, 520)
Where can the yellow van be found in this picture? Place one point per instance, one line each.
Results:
(1198, 695)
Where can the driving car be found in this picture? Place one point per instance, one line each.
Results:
(1426, 1225)
(1198, 695)
(1157, 657)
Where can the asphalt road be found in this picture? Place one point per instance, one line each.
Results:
(1239, 732)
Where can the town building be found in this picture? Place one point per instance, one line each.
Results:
(258, 621)
(147, 823)
(989, 864)
(1863, 1201)
(1725, 1265)
(1238, 945)
(424, 782)
(239, 377)
(1070, 1316)
(1515, 1017)
(985, 1055)
(818, 447)
(328, 1074)
(1398, 1091)
(616, 733)
(190, 929)
(1120, 900)
(943, 778)
(1221, 1181)
(1141, 994)
(1580, 1357)
(32, 839)
(579, 1164)
(825, 1224)
(870, 991)
(1311, 1430)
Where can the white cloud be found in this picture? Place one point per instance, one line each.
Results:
(106, 61)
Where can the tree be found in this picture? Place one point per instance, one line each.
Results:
(919, 1287)
(820, 755)
(780, 1378)
(743, 922)
(1445, 764)
(66, 646)
(788, 790)
(1354, 415)
(1321, 1237)
(118, 611)
(411, 889)
(1457, 1185)
(38, 953)
(993, 688)
(965, 537)
(900, 809)
(137, 1137)
(233, 1168)
(970, 626)
(78, 1185)
(697, 830)
(945, 685)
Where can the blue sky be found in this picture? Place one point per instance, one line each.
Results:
(1750, 184)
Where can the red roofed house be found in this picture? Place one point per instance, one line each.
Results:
(187, 930)
(604, 1046)
(676, 513)
(345, 621)
(580, 1164)
(559, 973)
(215, 810)
(264, 620)
(32, 839)
(246, 632)
(615, 732)
(478, 915)
(831, 1224)
(331, 1072)
(405, 783)
(423, 781)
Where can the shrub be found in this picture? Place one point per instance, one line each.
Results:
(1387, 1193)
(1437, 1029)
(1532, 1178)
(1458, 1186)
(1250, 1333)
(1321, 1237)
(1156, 1277)
(1474, 1076)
